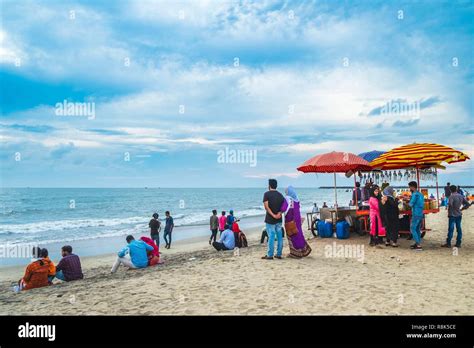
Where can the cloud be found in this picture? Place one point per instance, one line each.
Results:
(62, 150)
(408, 123)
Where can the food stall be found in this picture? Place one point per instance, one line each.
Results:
(417, 161)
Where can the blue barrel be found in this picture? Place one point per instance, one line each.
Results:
(326, 230)
(342, 230)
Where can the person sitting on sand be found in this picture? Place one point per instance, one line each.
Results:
(69, 267)
(138, 257)
(222, 220)
(155, 227)
(36, 273)
(52, 267)
(153, 255)
(226, 240)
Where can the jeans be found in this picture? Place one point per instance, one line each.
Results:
(156, 238)
(454, 220)
(60, 276)
(167, 233)
(273, 230)
(415, 228)
(219, 246)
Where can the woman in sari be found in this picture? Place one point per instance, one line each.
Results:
(291, 206)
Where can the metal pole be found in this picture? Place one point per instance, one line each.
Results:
(335, 193)
(437, 191)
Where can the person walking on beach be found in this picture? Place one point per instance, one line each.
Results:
(417, 203)
(155, 227)
(392, 224)
(69, 267)
(377, 231)
(222, 220)
(169, 225)
(272, 202)
(213, 225)
(137, 249)
(456, 204)
(298, 246)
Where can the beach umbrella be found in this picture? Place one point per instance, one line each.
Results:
(371, 155)
(335, 162)
(418, 156)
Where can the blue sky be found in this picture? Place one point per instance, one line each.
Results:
(175, 82)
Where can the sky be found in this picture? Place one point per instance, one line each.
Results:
(173, 89)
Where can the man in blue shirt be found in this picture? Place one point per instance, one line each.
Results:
(169, 225)
(226, 241)
(138, 257)
(417, 203)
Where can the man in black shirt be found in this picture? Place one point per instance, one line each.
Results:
(155, 227)
(272, 201)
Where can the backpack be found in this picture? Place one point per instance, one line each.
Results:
(243, 240)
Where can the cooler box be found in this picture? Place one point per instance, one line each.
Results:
(342, 230)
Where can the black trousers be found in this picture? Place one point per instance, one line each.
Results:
(214, 234)
(392, 232)
(219, 246)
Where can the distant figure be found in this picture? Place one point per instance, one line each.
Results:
(392, 223)
(230, 218)
(447, 190)
(356, 195)
(297, 243)
(36, 273)
(69, 267)
(226, 240)
(213, 225)
(456, 204)
(169, 225)
(155, 227)
(365, 192)
(377, 231)
(417, 204)
(272, 201)
(444, 201)
(315, 208)
(137, 249)
(325, 205)
(222, 220)
(432, 196)
(52, 267)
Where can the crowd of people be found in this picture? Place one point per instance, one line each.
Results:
(384, 224)
(384, 213)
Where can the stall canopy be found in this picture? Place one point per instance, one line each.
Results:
(371, 155)
(418, 156)
(335, 162)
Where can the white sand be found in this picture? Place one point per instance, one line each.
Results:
(195, 279)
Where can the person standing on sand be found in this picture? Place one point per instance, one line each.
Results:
(155, 227)
(298, 246)
(392, 224)
(456, 203)
(213, 225)
(417, 204)
(447, 193)
(377, 231)
(272, 202)
(169, 225)
(230, 218)
(222, 220)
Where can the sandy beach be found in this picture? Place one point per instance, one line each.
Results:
(197, 280)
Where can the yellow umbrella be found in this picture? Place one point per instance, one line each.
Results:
(418, 156)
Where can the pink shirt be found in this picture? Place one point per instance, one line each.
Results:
(222, 220)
